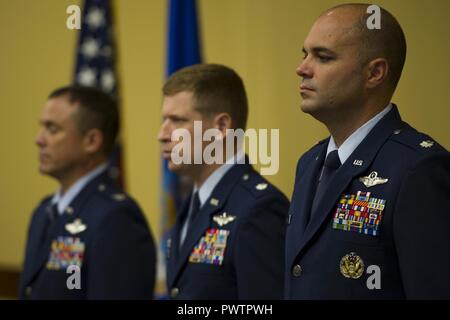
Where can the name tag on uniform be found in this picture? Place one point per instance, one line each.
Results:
(65, 251)
(361, 213)
(211, 247)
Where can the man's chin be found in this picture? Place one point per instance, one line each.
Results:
(307, 106)
(43, 169)
(175, 168)
(48, 171)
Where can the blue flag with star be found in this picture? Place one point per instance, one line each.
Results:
(96, 60)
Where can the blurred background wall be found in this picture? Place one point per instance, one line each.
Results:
(261, 39)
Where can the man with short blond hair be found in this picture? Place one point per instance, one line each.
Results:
(228, 240)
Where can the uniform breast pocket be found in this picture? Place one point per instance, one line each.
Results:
(205, 268)
(354, 237)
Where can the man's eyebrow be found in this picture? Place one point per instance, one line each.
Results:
(47, 123)
(317, 50)
(173, 117)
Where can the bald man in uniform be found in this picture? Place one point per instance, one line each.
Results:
(370, 211)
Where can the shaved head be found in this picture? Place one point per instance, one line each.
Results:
(388, 42)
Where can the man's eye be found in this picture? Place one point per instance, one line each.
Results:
(324, 58)
(178, 120)
(52, 128)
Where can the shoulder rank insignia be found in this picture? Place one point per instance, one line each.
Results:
(372, 180)
(119, 196)
(223, 219)
(76, 227)
(261, 186)
(426, 144)
(351, 266)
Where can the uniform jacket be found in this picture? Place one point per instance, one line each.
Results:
(235, 248)
(104, 232)
(385, 216)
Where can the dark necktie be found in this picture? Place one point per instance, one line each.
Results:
(194, 208)
(331, 165)
(52, 215)
(52, 212)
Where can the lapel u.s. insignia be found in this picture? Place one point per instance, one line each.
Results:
(223, 219)
(351, 266)
(372, 179)
(214, 202)
(76, 227)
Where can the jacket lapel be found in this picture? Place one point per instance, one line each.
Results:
(174, 250)
(366, 152)
(303, 195)
(93, 186)
(39, 240)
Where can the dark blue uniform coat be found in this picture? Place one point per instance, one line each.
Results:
(105, 233)
(412, 245)
(251, 214)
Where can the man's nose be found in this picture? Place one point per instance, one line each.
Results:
(40, 138)
(304, 69)
(164, 132)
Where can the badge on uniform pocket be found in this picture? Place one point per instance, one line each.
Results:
(361, 213)
(65, 251)
(211, 247)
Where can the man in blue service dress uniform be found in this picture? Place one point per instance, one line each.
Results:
(89, 240)
(228, 240)
(370, 212)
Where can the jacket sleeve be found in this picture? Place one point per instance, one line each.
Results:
(259, 254)
(122, 257)
(421, 228)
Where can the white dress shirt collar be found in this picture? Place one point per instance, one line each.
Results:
(64, 200)
(353, 141)
(211, 182)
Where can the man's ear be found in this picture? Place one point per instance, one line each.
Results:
(93, 141)
(222, 122)
(377, 72)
